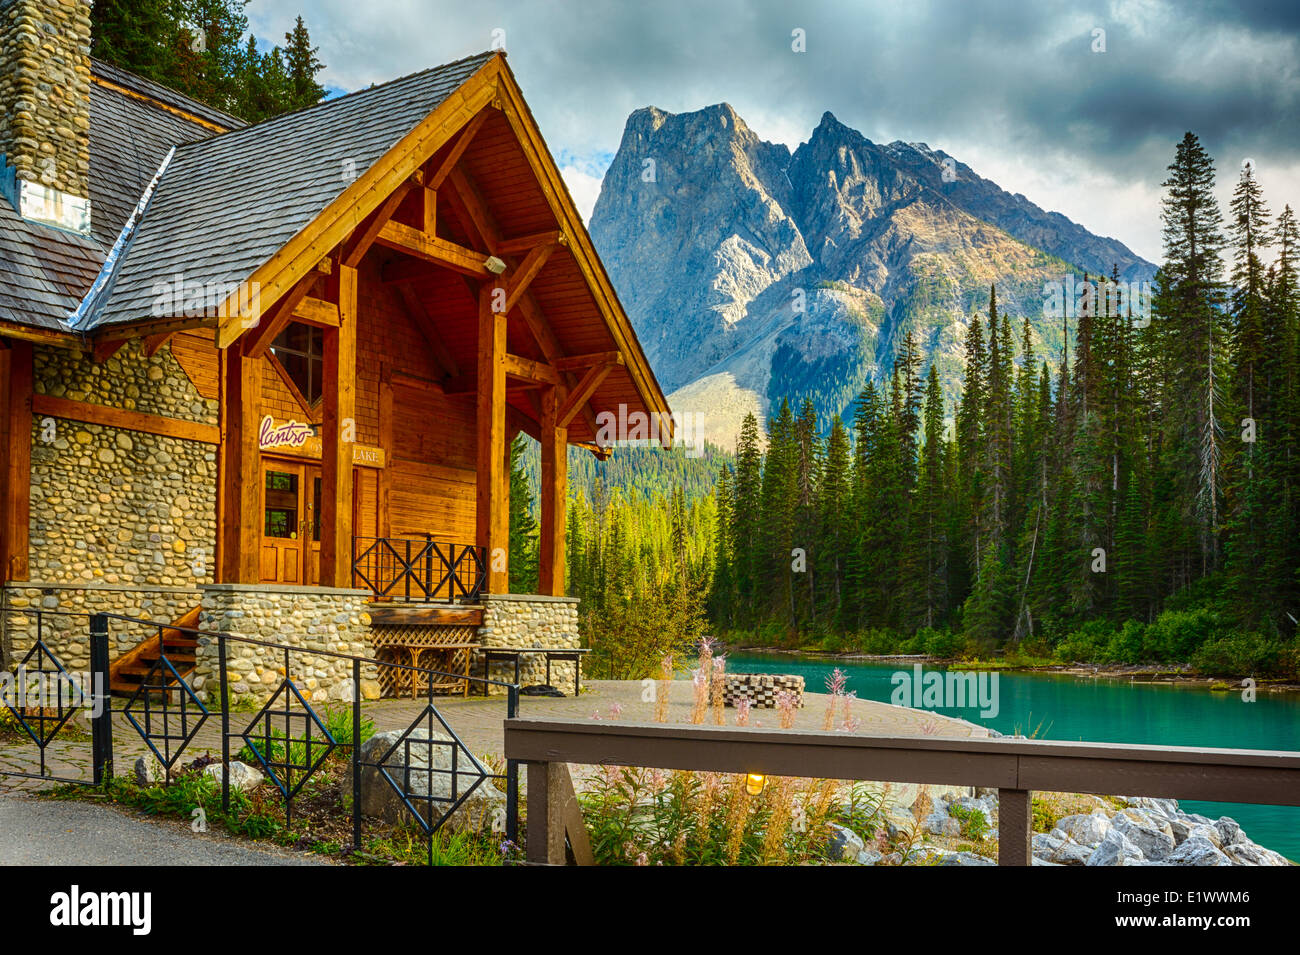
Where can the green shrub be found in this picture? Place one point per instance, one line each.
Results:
(1088, 644)
(1126, 644)
(941, 643)
(1176, 634)
(1245, 653)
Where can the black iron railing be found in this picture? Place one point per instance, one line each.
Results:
(417, 568)
(287, 738)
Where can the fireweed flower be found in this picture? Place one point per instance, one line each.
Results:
(785, 708)
(743, 706)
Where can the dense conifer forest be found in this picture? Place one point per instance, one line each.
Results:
(1140, 501)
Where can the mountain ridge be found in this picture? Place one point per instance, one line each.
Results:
(752, 273)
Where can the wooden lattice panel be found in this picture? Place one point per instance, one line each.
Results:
(445, 648)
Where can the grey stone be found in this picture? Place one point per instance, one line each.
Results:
(1229, 831)
(942, 824)
(1165, 807)
(845, 844)
(425, 776)
(1153, 843)
(868, 857)
(1057, 847)
(965, 859)
(1247, 853)
(1086, 830)
(148, 770)
(1197, 850)
(242, 776)
(1180, 830)
(1115, 849)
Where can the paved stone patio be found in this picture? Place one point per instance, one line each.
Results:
(478, 722)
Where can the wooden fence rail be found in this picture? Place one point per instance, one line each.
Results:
(1015, 767)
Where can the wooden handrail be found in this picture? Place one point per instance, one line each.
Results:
(1015, 767)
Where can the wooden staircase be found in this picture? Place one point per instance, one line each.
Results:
(128, 671)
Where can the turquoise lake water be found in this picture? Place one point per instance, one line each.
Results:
(1069, 708)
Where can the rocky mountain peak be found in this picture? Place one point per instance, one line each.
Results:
(753, 274)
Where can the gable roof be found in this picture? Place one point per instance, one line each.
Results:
(263, 204)
(227, 204)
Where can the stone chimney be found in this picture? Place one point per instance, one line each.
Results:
(45, 110)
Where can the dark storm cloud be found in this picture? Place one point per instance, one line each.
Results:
(1018, 82)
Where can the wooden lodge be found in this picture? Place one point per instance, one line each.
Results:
(285, 362)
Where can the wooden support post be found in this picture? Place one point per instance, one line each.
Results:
(16, 464)
(240, 500)
(1015, 822)
(338, 436)
(492, 485)
(386, 442)
(554, 491)
(555, 817)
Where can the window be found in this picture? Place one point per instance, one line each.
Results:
(281, 518)
(300, 351)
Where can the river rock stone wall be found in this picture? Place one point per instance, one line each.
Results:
(122, 521)
(65, 629)
(310, 618)
(117, 506)
(519, 621)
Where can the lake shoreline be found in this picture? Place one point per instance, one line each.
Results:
(1178, 674)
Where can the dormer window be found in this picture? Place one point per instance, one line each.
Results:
(300, 350)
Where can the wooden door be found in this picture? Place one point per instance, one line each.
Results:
(311, 525)
(282, 523)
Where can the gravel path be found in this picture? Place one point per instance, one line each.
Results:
(40, 832)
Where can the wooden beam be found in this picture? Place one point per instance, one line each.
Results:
(318, 312)
(492, 477)
(530, 370)
(386, 442)
(554, 491)
(555, 824)
(470, 204)
(154, 343)
(442, 356)
(526, 243)
(16, 377)
(358, 245)
(279, 273)
(240, 524)
(429, 211)
(583, 391)
(458, 148)
(404, 238)
(110, 417)
(581, 362)
(338, 435)
(522, 277)
(267, 327)
(103, 350)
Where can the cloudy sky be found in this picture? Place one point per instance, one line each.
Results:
(1032, 95)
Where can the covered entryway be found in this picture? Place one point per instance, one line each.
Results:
(291, 522)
